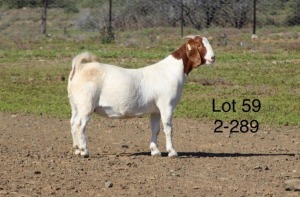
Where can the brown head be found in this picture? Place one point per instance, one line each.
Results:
(194, 52)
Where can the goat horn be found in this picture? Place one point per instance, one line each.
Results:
(189, 36)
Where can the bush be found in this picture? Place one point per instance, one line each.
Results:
(294, 18)
(17, 4)
(89, 21)
(69, 6)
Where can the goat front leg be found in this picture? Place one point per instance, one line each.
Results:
(167, 124)
(155, 128)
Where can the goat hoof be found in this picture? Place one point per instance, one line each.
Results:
(173, 154)
(86, 156)
(156, 153)
(77, 152)
(84, 153)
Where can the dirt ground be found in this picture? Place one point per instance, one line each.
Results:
(37, 159)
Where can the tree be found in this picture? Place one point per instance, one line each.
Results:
(236, 12)
(19, 3)
(294, 17)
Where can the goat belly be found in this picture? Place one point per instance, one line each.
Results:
(128, 109)
(111, 112)
(123, 95)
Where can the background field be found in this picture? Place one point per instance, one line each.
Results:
(34, 71)
(36, 156)
(35, 66)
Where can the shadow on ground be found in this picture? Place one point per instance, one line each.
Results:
(206, 154)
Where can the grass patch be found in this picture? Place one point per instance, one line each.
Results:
(33, 73)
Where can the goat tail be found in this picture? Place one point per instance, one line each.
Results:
(77, 61)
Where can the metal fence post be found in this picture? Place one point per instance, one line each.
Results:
(110, 33)
(181, 24)
(44, 16)
(254, 17)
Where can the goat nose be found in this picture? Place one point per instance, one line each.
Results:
(213, 59)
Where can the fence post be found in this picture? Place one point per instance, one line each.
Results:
(110, 33)
(254, 17)
(44, 16)
(181, 24)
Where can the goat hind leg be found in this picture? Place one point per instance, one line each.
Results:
(74, 127)
(80, 136)
(74, 130)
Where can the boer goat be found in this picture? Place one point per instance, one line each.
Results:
(116, 92)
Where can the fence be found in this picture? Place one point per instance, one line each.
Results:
(137, 14)
(108, 16)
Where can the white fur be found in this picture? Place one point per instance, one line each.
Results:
(210, 53)
(116, 92)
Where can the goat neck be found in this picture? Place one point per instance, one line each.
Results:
(181, 54)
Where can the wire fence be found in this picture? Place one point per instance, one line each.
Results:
(108, 16)
(199, 14)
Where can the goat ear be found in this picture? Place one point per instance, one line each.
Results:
(193, 53)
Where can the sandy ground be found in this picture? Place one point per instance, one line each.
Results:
(37, 160)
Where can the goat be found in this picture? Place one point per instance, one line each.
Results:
(116, 92)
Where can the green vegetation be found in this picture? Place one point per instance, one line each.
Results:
(34, 72)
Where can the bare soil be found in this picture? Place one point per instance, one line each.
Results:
(36, 159)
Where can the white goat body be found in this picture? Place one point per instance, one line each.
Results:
(122, 93)
(116, 92)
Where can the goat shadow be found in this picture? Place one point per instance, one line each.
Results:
(208, 154)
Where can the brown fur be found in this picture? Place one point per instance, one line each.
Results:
(191, 58)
